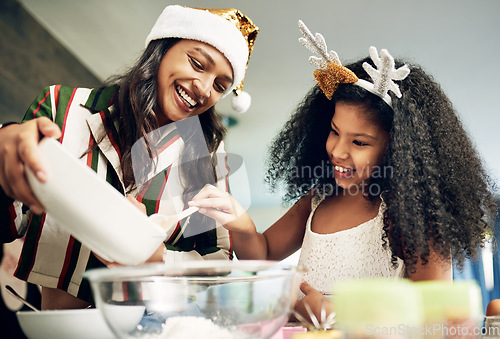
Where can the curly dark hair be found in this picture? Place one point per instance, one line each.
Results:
(438, 195)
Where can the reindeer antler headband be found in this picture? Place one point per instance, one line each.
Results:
(331, 73)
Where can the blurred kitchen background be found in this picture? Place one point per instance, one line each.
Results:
(82, 43)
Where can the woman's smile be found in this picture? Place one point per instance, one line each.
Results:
(188, 100)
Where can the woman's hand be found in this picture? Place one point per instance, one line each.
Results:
(157, 255)
(18, 150)
(106, 262)
(221, 206)
(315, 300)
(137, 204)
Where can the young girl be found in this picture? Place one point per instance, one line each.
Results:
(385, 184)
(193, 57)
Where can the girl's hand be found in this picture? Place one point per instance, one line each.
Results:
(221, 206)
(18, 149)
(315, 300)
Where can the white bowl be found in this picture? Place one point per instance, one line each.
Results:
(64, 324)
(73, 189)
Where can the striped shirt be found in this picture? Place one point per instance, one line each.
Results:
(51, 257)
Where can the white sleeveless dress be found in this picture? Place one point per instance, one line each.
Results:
(357, 252)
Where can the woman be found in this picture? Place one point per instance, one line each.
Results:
(184, 71)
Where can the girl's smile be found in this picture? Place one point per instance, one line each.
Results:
(343, 172)
(355, 144)
(341, 169)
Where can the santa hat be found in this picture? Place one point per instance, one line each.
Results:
(228, 30)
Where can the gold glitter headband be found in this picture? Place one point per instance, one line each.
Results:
(331, 73)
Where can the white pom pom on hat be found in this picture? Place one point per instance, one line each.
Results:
(228, 30)
(241, 102)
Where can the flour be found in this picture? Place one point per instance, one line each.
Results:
(193, 327)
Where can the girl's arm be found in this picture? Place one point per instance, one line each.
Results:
(286, 234)
(282, 239)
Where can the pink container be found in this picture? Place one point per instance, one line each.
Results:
(287, 332)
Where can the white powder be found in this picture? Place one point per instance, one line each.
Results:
(193, 327)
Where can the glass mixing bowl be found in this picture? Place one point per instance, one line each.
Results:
(206, 299)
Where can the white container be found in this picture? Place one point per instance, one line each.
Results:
(63, 324)
(91, 210)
